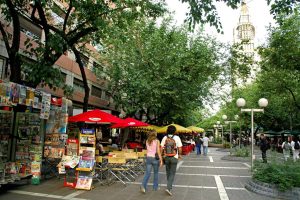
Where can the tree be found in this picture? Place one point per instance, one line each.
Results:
(81, 22)
(160, 72)
(86, 21)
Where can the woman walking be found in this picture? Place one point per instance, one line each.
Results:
(153, 160)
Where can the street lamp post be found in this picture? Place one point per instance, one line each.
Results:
(262, 103)
(217, 126)
(230, 123)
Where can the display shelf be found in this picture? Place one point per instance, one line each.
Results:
(87, 148)
(29, 145)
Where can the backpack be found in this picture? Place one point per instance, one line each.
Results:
(297, 146)
(170, 148)
(286, 146)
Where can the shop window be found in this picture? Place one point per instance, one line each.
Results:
(97, 92)
(78, 85)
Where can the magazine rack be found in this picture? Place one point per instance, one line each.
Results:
(87, 145)
(70, 172)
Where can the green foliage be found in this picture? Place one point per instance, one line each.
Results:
(217, 140)
(226, 145)
(240, 152)
(160, 71)
(285, 175)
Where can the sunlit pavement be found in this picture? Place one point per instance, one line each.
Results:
(198, 177)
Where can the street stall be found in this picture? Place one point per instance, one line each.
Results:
(181, 131)
(78, 162)
(24, 114)
(133, 141)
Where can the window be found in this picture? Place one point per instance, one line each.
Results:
(107, 96)
(97, 92)
(78, 85)
(64, 76)
(30, 29)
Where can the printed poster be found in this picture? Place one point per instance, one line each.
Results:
(22, 96)
(37, 100)
(14, 93)
(84, 183)
(45, 111)
(29, 96)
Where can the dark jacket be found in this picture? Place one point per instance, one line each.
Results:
(264, 145)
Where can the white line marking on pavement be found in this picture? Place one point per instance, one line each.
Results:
(225, 175)
(211, 159)
(221, 188)
(213, 167)
(205, 161)
(74, 194)
(247, 165)
(190, 186)
(234, 188)
(179, 164)
(44, 195)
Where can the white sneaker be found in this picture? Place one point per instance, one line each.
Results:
(143, 189)
(169, 192)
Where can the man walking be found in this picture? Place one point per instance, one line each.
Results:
(198, 142)
(205, 144)
(264, 146)
(172, 150)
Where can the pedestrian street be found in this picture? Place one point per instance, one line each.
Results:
(198, 177)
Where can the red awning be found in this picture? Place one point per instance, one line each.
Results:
(129, 122)
(95, 116)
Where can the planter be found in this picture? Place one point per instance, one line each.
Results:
(235, 158)
(215, 145)
(271, 190)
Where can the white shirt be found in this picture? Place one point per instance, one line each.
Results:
(293, 145)
(205, 141)
(177, 140)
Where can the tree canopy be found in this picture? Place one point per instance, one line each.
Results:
(161, 72)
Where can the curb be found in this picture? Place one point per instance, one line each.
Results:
(271, 190)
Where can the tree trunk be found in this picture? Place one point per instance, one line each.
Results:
(84, 79)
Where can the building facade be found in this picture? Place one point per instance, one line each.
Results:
(100, 97)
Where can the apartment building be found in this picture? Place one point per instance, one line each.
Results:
(100, 97)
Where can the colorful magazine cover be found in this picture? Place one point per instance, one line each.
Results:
(86, 163)
(37, 100)
(45, 110)
(14, 93)
(84, 183)
(29, 96)
(22, 96)
(88, 152)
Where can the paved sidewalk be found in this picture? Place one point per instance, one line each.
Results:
(197, 178)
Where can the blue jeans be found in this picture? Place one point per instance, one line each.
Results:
(151, 162)
(171, 165)
(205, 150)
(198, 148)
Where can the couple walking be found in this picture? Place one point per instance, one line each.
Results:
(201, 142)
(171, 148)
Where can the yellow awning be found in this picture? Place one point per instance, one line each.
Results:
(196, 129)
(179, 129)
(147, 128)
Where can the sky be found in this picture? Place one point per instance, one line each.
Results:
(259, 13)
(259, 16)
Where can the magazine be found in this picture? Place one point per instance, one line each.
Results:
(84, 182)
(86, 163)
